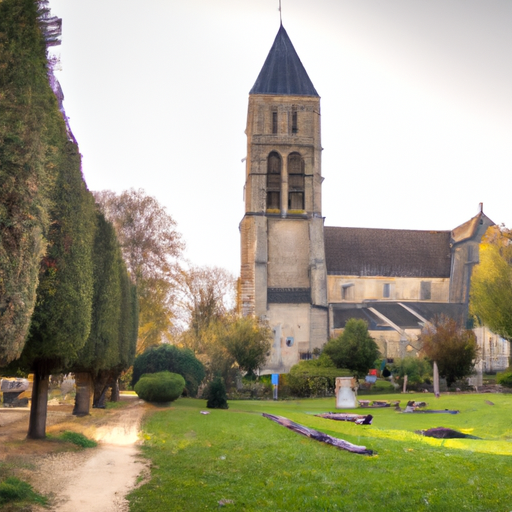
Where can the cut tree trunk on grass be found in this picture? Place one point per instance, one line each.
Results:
(359, 419)
(319, 436)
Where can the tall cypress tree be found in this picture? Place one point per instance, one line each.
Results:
(29, 120)
(62, 317)
(107, 351)
(127, 335)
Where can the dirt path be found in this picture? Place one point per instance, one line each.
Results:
(91, 480)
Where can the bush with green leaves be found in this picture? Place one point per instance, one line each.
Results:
(417, 369)
(172, 359)
(316, 377)
(505, 379)
(160, 387)
(215, 394)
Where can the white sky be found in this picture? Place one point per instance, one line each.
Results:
(416, 106)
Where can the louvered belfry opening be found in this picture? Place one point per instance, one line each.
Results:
(295, 182)
(274, 181)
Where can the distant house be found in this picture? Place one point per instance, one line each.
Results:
(307, 280)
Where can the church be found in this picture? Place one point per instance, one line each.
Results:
(307, 279)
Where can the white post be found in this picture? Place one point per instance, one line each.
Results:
(436, 380)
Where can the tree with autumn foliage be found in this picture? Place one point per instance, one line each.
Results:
(207, 295)
(491, 282)
(151, 248)
(454, 348)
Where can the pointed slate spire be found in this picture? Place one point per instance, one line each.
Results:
(283, 72)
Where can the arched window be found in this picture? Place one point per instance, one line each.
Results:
(274, 181)
(295, 182)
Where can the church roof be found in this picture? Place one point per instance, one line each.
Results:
(396, 313)
(387, 252)
(472, 227)
(283, 72)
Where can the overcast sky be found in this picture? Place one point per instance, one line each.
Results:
(416, 106)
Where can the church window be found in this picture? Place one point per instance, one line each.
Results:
(295, 182)
(295, 124)
(347, 291)
(274, 181)
(274, 121)
(386, 291)
(425, 290)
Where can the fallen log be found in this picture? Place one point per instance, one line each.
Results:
(433, 411)
(359, 419)
(445, 433)
(377, 404)
(319, 436)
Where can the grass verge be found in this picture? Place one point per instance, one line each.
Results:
(15, 494)
(236, 459)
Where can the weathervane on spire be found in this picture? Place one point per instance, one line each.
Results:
(280, 15)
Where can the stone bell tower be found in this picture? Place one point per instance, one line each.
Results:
(283, 274)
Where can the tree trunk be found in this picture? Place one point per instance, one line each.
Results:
(115, 391)
(83, 383)
(101, 384)
(39, 405)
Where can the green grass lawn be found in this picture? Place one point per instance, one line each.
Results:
(238, 460)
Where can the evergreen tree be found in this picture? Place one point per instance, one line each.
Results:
(215, 394)
(354, 349)
(62, 317)
(101, 351)
(29, 122)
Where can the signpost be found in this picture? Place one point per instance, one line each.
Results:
(275, 382)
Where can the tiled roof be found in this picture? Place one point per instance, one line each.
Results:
(283, 72)
(342, 314)
(289, 295)
(396, 313)
(431, 310)
(470, 228)
(387, 252)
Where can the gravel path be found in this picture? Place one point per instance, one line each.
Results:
(94, 479)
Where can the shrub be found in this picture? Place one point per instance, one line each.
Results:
(160, 387)
(252, 389)
(417, 369)
(171, 359)
(215, 394)
(316, 377)
(505, 379)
